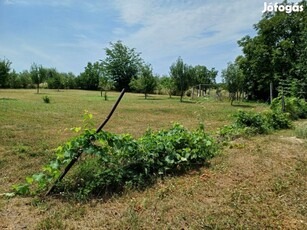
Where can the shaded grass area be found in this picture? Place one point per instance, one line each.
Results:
(255, 183)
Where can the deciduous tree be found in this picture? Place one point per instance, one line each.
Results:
(38, 75)
(181, 74)
(106, 84)
(203, 76)
(55, 80)
(122, 64)
(89, 79)
(277, 53)
(5, 67)
(145, 82)
(233, 78)
(168, 85)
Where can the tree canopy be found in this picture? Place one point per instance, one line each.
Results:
(181, 74)
(203, 76)
(5, 67)
(145, 81)
(233, 78)
(38, 75)
(122, 64)
(89, 78)
(276, 54)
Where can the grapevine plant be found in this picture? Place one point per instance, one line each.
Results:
(118, 161)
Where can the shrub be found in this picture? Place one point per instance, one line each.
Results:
(229, 133)
(176, 148)
(297, 108)
(257, 122)
(137, 163)
(46, 99)
(278, 120)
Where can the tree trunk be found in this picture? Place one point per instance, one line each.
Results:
(105, 95)
(232, 97)
(192, 94)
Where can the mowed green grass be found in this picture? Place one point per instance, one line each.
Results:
(30, 129)
(256, 183)
(27, 121)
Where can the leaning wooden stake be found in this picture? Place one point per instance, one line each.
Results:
(74, 160)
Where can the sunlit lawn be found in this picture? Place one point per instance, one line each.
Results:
(237, 191)
(30, 129)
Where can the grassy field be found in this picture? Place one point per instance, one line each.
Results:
(255, 183)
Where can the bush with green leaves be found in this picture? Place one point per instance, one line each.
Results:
(278, 120)
(255, 121)
(118, 161)
(229, 133)
(297, 108)
(46, 99)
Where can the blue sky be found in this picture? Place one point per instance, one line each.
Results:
(67, 34)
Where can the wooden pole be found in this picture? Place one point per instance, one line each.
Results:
(192, 94)
(74, 160)
(283, 105)
(112, 111)
(271, 92)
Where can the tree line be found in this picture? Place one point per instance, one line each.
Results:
(36, 76)
(123, 67)
(277, 55)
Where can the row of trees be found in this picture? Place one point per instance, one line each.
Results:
(122, 68)
(277, 55)
(35, 77)
(185, 76)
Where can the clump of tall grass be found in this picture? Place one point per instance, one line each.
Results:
(301, 130)
(46, 99)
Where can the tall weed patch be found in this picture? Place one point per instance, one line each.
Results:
(301, 131)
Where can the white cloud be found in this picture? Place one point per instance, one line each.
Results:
(170, 28)
(197, 30)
